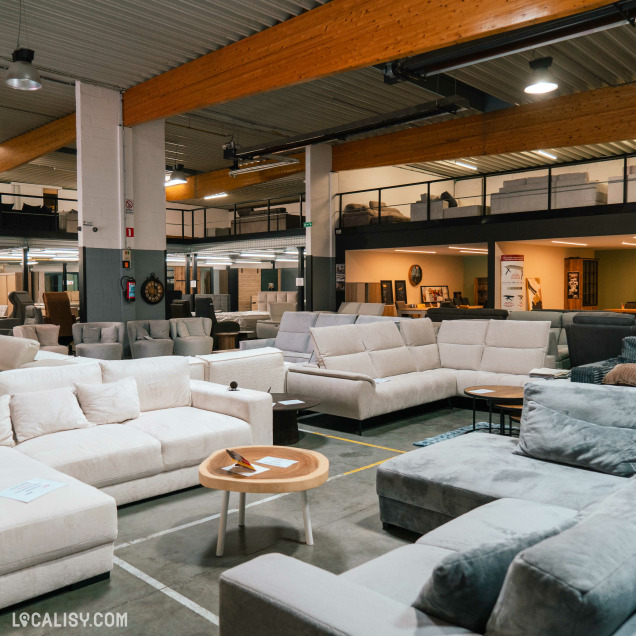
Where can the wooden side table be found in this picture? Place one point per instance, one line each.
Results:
(286, 416)
(310, 471)
(494, 394)
(227, 340)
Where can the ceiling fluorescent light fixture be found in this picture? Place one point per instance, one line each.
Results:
(250, 262)
(541, 78)
(277, 162)
(469, 249)
(463, 164)
(416, 251)
(570, 243)
(216, 196)
(549, 155)
(255, 255)
(632, 244)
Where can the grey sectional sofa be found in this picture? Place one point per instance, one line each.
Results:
(522, 547)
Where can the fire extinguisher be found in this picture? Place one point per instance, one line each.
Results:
(128, 288)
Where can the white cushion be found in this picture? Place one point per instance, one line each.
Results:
(512, 360)
(14, 352)
(340, 348)
(43, 412)
(6, 431)
(65, 521)
(460, 356)
(109, 403)
(162, 382)
(41, 378)
(189, 435)
(386, 348)
(518, 334)
(425, 357)
(461, 343)
(100, 455)
(379, 336)
(417, 332)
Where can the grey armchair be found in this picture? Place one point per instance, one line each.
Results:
(99, 339)
(20, 301)
(191, 336)
(149, 338)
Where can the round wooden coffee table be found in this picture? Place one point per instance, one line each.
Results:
(286, 416)
(494, 394)
(310, 471)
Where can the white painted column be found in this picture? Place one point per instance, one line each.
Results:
(320, 240)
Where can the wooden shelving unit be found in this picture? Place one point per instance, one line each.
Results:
(481, 291)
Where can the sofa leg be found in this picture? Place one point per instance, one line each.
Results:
(360, 428)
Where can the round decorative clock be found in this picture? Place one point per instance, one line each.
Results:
(152, 290)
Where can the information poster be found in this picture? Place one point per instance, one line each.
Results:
(512, 291)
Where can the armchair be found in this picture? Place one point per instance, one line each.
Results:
(180, 309)
(191, 336)
(225, 326)
(20, 301)
(101, 340)
(149, 338)
(46, 335)
(58, 312)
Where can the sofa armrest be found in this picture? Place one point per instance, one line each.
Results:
(256, 344)
(253, 407)
(330, 373)
(275, 594)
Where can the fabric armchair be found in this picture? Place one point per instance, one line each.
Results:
(191, 336)
(46, 335)
(20, 301)
(58, 312)
(149, 338)
(101, 340)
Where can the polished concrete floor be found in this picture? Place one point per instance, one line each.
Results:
(166, 574)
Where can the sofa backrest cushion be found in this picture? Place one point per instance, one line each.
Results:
(159, 329)
(162, 382)
(6, 430)
(43, 412)
(579, 582)
(386, 348)
(371, 309)
(185, 327)
(341, 348)
(601, 404)
(514, 346)
(276, 310)
(331, 320)
(349, 308)
(293, 332)
(419, 336)
(109, 403)
(461, 343)
(267, 297)
(14, 352)
(42, 378)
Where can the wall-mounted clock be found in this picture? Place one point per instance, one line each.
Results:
(415, 275)
(152, 290)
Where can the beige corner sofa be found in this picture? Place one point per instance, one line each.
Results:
(371, 369)
(112, 444)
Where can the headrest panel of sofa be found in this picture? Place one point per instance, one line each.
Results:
(266, 297)
(371, 309)
(340, 340)
(463, 332)
(512, 360)
(518, 334)
(607, 318)
(379, 336)
(426, 357)
(298, 321)
(349, 308)
(417, 332)
(332, 320)
(43, 378)
(553, 316)
(460, 356)
(290, 341)
(364, 319)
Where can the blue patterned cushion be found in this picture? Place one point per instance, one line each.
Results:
(594, 372)
(629, 349)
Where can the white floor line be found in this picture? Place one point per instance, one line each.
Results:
(191, 524)
(168, 591)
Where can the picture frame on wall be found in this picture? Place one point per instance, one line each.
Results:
(400, 291)
(434, 293)
(386, 289)
(574, 285)
(415, 275)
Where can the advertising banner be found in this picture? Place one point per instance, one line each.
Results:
(512, 291)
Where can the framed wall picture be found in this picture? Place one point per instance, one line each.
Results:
(434, 293)
(535, 301)
(340, 276)
(400, 291)
(415, 275)
(574, 281)
(386, 288)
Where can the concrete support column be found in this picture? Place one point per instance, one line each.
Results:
(320, 288)
(116, 165)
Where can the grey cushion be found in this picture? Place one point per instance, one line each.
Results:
(580, 582)
(159, 329)
(195, 328)
(464, 587)
(142, 334)
(91, 335)
(152, 348)
(182, 329)
(30, 332)
(549, 435)
(109, 334)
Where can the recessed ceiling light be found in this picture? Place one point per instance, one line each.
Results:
(463, 164)
(416, 251)
(469, 249)
(544, 153)
(216, 196)
(570, 243)
(541, 78)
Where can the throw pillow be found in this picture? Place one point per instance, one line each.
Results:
(109, 334)
(159, 329)
(109, 403)
(464, 587)
(195, 328)
(622, 375)
(556, 437)
(142, 334)
(42, 412)
(449, 198)
(91, 335)
(6, 430)
(375, 204)
(30, 332)
(47, 336)
(182, 329)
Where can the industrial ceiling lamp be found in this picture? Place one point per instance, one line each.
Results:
(177, 176)
(21, 74)
(541, 79)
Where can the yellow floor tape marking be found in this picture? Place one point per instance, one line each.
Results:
(356, 470)
(353, 441)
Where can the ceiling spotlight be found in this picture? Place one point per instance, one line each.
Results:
(22, 74)
(216, 196)
(549, 155)
(177, 176)
(541, 78)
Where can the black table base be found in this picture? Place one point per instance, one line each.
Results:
(285, 427)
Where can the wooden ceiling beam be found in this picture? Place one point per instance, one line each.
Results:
(36, 143)
(202, 185)
(593, 117)
(333, 38)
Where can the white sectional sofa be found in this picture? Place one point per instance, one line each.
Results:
(111, 443)
(371, 369)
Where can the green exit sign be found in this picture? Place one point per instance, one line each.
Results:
(307, 224)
